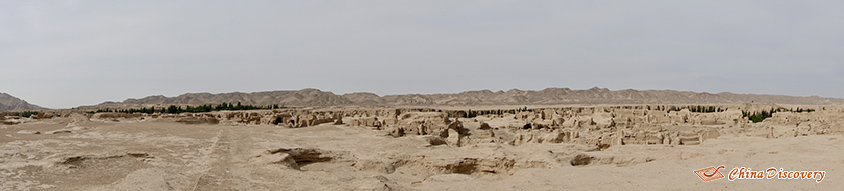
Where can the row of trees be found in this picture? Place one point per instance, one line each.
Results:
(173, 109)
(799, 110)
(696, 109)
(757, 117)
(21, 114)
(471, 114)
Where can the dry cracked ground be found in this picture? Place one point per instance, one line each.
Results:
(160, 154)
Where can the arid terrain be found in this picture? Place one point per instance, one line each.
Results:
(197, 95)
(492, 147)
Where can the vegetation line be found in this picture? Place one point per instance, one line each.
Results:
(173, 109)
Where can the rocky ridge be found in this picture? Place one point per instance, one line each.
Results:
(9, 103)
(549, 96)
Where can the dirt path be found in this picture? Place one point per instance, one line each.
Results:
(225, 167)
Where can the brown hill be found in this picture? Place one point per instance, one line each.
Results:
(300, 97)
(315, 97)
(10, 103)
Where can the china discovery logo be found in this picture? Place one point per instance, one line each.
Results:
(710, 173)
(745, 173)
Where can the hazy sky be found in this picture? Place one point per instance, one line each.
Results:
(61, 54)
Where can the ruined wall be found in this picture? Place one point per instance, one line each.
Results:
(602, 126)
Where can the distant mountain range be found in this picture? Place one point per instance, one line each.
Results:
(10, 103)
(315, 97)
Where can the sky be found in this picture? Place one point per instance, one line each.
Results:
(62, 54)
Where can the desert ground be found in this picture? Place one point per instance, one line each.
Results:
(598, 147)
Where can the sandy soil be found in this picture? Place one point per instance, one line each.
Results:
(159, 154)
